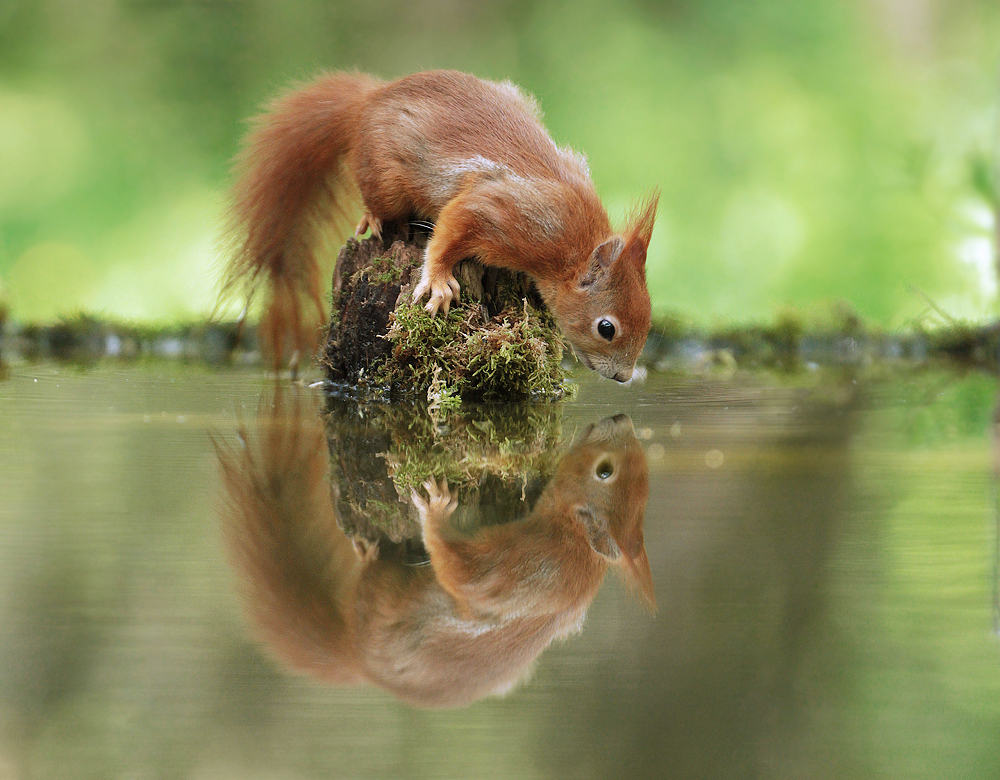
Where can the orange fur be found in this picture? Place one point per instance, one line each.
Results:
(468, 154)
(554, 559)
(469, 625)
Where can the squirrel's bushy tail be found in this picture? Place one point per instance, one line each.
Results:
(296, 568)
(291, 189)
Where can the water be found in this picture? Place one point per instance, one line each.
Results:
(822, 555)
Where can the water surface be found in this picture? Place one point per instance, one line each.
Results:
(822, 555)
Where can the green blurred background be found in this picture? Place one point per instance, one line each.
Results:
(808, 151)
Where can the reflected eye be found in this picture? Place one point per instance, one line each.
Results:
(606, 329)
(605, 470)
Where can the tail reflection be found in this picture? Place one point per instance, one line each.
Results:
(470, 624)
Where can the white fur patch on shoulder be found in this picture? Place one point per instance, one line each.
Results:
(476, 164)
(448, 179)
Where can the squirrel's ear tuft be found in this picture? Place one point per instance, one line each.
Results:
(640, 225)
(638, 576)
(640, 230)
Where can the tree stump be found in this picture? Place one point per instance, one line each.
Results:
(499, 342)
(496, 460)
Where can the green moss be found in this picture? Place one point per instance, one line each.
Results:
(382, 514)
(965, 342)
(785, 333)
(476, 442)
(488, 453)
(380, 270)
(334, 301)
(515, 354)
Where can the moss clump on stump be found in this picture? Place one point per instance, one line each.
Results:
(496, 460)
(498, 342)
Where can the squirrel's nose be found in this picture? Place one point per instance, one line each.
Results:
(622, 376)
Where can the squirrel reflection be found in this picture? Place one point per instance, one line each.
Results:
(468, 625)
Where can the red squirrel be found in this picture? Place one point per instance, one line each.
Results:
(588, 516)
(469, 625)
(469, 155)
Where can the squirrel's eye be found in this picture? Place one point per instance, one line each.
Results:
(605, 470)
(606, 329)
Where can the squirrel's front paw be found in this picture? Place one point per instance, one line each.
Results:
(439, 504)
(443, 291)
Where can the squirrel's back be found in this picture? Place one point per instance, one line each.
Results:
(424, 134)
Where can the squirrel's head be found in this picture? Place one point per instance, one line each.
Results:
(605, 480)
(605, 311)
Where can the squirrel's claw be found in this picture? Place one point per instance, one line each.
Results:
(439, 504)
(420, 504)
(442, 292)
(438, 301)
(369, 221)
